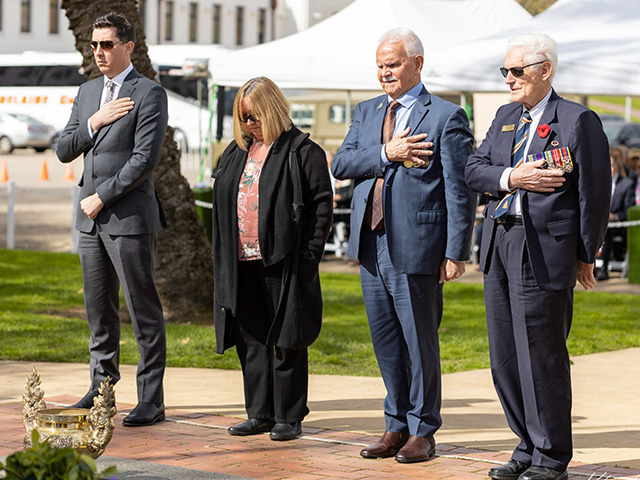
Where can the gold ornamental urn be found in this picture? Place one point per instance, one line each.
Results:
(86, 431)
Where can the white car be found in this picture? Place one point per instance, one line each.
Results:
(18, 130)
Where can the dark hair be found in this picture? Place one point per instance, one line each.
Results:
(124, 28)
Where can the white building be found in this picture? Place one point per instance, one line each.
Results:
(42, 25)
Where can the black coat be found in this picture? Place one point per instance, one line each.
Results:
(294, 220)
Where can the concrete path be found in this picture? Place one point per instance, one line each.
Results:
(346, 414)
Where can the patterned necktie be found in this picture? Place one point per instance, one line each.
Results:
(374, 213)
(517, 156)
(110, 86)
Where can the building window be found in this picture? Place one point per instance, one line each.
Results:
(142, 7)
(262, 25)
(239, 25)
(217, 11)
(25, 15)
(168, 21)
(53, 16)
(193, 22)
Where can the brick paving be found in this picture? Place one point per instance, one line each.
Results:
(200, 442)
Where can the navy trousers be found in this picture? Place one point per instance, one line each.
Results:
(528, 328)
(404, 313)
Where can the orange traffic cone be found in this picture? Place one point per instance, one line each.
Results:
(4, 173)
(68, 173)
(44, 172)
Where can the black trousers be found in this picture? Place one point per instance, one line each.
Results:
(528, 329)
(276, 379)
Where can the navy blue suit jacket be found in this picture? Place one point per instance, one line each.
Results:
(428, 212)
(568, 224)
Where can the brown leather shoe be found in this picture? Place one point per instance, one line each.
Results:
(387, 446)
(417, 449)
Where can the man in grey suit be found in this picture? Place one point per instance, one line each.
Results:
(411, 225)
(118, 122)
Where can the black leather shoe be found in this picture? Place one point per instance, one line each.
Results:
(252, 426)
(417, 449)
(509, 471)
(87, 400)
(543, 473)
(602, 274)
(145, 414)
(286, 431)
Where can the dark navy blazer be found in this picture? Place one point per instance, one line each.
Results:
(568, 224)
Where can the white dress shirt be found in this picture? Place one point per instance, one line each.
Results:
(118, 80)
(536, 114)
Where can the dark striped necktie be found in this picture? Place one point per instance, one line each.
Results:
(517, 156)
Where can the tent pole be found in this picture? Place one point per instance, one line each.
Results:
(627, 109)
(347, 114)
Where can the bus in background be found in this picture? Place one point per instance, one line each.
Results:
(44, 85)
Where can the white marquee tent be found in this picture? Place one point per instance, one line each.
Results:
(599, 51)
(339, 53)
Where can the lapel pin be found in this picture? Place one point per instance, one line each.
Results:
(380, 106)
(555, 143)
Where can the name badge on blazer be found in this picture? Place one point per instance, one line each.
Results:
(559, 158)
(508, 128)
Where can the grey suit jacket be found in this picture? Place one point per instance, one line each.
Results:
(119, 160)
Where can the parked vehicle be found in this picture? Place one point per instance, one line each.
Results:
(18, 130)
(629, 136)
(612, 124)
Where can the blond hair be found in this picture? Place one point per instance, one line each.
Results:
(268, 105)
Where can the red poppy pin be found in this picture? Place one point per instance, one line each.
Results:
(543, 130)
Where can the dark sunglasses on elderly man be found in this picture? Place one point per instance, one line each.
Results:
(517, 71)
(104, 44)
(245, 118)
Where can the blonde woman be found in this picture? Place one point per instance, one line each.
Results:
(272, 206)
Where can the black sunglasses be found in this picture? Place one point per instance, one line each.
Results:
(517, 71)
(104, 44)
(246, 118)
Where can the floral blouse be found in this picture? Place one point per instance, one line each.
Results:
(248, 205)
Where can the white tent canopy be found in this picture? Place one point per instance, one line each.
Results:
(598, 51)
(339, 53)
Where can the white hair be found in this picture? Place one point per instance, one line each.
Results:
(412, 44)
(538, 47)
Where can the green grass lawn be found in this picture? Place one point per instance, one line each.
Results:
(41, 319)
(619, 101)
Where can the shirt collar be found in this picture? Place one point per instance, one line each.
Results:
(541, 105)
(409, 98)
(119, 79)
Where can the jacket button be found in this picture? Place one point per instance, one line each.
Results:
(94, 177)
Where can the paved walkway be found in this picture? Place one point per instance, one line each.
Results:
(346, 414)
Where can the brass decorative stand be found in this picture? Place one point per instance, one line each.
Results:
(86, 431)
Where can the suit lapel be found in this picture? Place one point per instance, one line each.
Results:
(378, 118)
(127, 89)
(507, 133)
(550, 118)
(419, 111)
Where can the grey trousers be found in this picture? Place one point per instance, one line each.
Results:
(108, 262)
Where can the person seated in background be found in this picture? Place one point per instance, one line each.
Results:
(622, 197)
(619, 153)
(633, 163)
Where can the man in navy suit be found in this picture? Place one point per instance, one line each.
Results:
(411, 226)
(544, 165)
(118, 123)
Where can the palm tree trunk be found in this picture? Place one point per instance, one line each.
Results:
(184, 274)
